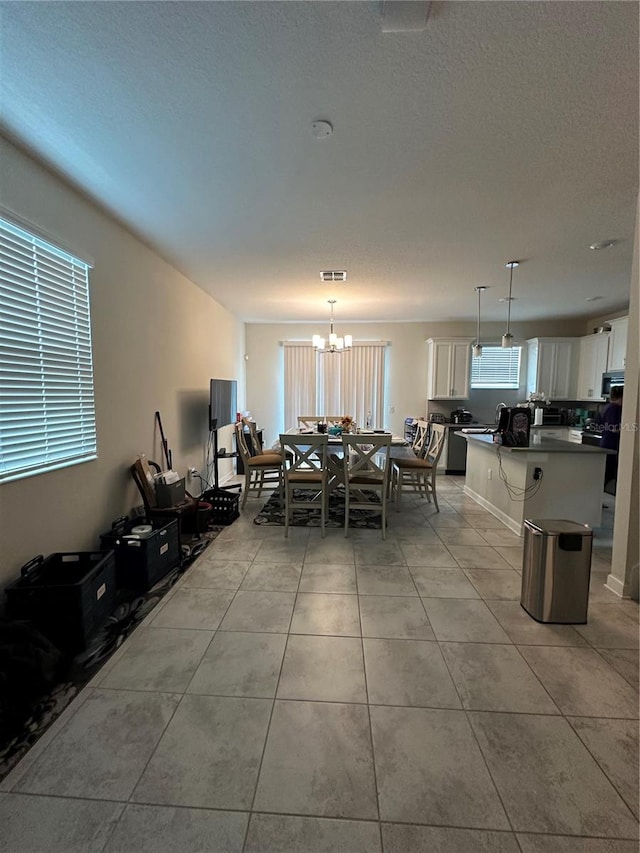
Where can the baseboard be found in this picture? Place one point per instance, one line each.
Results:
(615, 585)
(501, 516)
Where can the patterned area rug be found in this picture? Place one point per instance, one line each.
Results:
(273, 514)
(131, 608)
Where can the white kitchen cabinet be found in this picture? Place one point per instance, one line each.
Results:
(550, 363)
(448, 367)
(594, 351)
(618, 343)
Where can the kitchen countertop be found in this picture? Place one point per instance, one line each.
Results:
(541, 445)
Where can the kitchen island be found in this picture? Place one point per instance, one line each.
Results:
(503, 480)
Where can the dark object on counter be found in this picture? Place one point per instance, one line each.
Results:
(513, 427)
(556, 569)
(461, 416)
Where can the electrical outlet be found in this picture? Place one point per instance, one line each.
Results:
(537, 473)
(489, 474)
(192, 471)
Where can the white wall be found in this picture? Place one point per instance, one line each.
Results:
(407, 356)
(157, 340)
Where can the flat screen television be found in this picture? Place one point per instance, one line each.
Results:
(223, 402)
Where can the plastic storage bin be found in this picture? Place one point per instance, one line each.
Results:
(224, 506)
(142, 562)
(68, 596)
(556, 570)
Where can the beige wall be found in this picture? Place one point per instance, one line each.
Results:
(157, 340)
(407, 356)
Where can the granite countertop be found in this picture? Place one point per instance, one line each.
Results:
(541, 445)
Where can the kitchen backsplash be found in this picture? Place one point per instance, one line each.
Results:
(483, 403)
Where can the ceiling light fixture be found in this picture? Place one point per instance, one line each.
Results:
(321, 129)
(477, 347)
(507, 338)
(603, 244)
(335, 343)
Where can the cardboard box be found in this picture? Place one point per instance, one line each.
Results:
(170, 495)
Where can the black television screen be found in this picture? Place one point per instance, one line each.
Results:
(223, 402)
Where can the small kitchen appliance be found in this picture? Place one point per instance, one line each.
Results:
(461, 416)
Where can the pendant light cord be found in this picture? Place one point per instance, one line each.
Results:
(509, 301)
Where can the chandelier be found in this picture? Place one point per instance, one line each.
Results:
(334, 344)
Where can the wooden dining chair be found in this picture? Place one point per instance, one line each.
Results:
(263, 471)
(419, 473)
(310, 422)
(304, 465)
(366, 460)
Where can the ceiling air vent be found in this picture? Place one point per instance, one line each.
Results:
(333, 275)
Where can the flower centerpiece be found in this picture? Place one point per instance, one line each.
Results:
(348, 424)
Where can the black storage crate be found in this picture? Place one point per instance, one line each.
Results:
(141, 563)
(224, 506)
(67, 596)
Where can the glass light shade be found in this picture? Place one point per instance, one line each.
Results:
(348, 341)
(477, 350)
(318, 342)
(507, 340)
(339, 344)
(333, 338)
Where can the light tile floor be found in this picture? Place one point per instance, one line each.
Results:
(350, 695)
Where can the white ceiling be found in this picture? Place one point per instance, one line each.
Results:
(503, 130)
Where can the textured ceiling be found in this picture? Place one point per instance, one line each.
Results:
(503, 130)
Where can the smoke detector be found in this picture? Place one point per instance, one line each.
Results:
(321, 129)
(333, 275)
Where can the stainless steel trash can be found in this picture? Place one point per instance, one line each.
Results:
(556, 570)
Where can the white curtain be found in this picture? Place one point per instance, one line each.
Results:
(299, 382)
(348, 383)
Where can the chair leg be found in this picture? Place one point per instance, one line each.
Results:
(433, 489)
(399, 478)
(247, 483)
(346, 510)
(383, 512)
(323, 509)
(286, 511)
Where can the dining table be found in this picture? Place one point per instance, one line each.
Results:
(399, 445)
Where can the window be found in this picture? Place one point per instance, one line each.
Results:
(47, 413)
(496, 368)
(352, 383)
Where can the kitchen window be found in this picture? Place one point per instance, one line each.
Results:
(496, 368)
(47, 411)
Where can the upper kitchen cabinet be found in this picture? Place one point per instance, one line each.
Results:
(550, 367)
(618, 343)
(448, 364)
(594, 350)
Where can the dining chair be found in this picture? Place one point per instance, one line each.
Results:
(256, 444)
(262, 471)
(304, 466)
(419, 473)
(310, 422)
(366, 460)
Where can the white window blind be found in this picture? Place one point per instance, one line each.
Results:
(496, 368)
(47, 412)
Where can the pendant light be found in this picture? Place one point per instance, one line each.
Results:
(507, 338)
(477, 347)
(335, 344)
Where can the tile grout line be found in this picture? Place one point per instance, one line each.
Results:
(273, 705)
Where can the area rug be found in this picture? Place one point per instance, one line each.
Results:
(272, 513)
(18, 733)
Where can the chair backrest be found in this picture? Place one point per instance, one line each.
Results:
(436, 444)
(309, 421)
(304, 453)
(366, 456)
(256, 447)
(241, 443)
(143, 478)
(421, 439)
